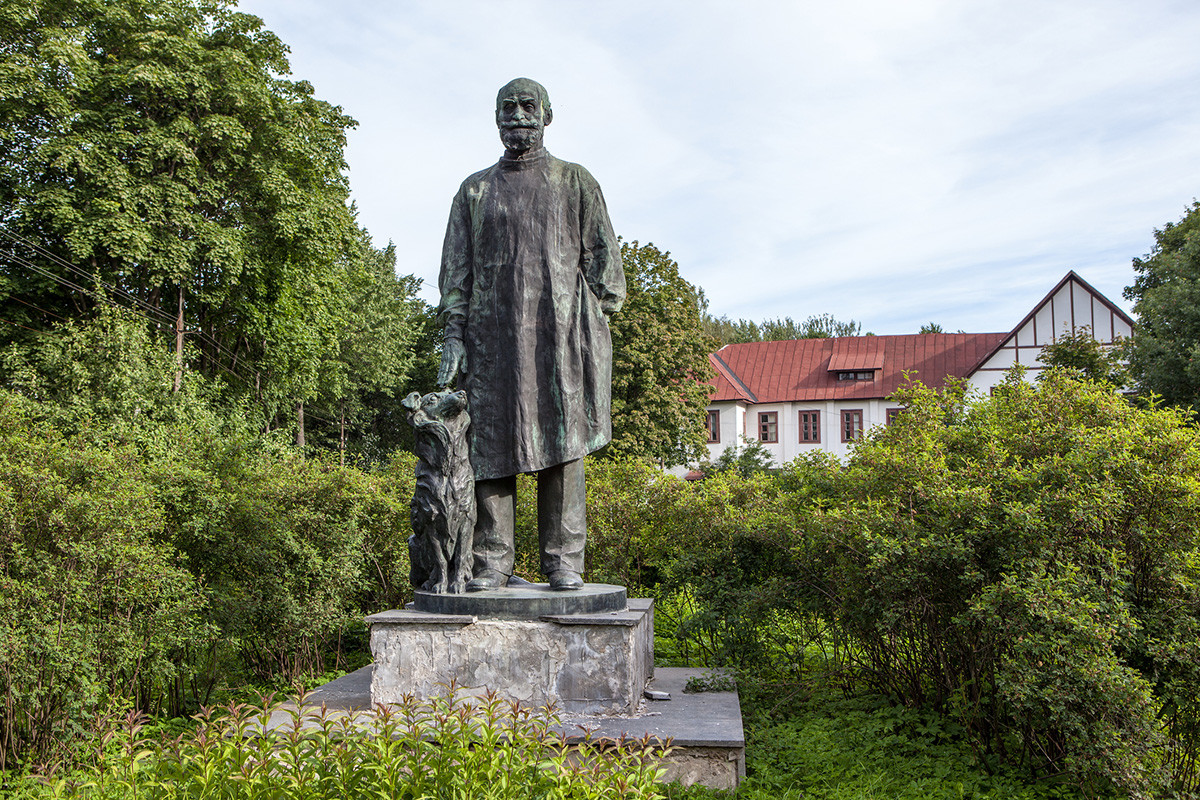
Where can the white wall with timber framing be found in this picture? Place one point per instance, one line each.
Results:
(1071, 306)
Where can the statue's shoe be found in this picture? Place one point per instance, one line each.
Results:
(565, 579)
(488, 579)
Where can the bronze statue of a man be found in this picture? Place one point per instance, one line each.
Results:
(531, 269)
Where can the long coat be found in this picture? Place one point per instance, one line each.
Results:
(530, 269)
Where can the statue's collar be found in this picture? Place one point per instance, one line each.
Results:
(527, 160)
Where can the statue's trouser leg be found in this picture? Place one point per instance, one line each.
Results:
(496, 503)
(562, 519)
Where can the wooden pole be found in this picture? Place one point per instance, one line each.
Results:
(179, 343)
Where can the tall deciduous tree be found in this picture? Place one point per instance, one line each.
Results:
(156, 146)
(817, 326)
(660, 362)
(1165, 356)
(375, 350)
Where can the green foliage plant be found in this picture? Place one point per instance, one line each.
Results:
(748, 457)
(93, 603)
(1079, 352)
(157, 547)
(1027, 564)
(1166, 300)
(660, 362)
(715, 554)
(440, 748)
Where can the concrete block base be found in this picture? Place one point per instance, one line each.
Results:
(594, 664)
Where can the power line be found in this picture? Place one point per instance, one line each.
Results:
(166, 317)
(34, 330)
(80, 271)
(133, 298)
(102, 298)
(35, 308)
(22, 261)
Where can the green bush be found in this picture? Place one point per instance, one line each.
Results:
(155, 546)
(443, 748)
(282, 542)
(92, 603)
(1026, 564)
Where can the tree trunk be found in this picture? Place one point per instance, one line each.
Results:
(342, 432)
(300, 424)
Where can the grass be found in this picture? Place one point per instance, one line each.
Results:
(812, 741)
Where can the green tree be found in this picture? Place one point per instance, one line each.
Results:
(1165, 354)
(747, 458)
(826, 326)
(931, 327)
(660, 362)
(1081, 354)
(155, 146)
(818, 326)
(375, 347)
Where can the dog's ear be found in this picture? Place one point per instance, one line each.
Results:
(412, 402)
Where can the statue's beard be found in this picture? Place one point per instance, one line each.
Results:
(521, 139)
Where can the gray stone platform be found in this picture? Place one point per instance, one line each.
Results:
(527, 601)
(704, 729)
(594, 663)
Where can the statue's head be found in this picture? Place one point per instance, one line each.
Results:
(522, 113)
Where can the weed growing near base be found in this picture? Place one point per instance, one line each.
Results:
(443, 748)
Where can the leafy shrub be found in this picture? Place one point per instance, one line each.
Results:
(154, 546)
(1027, 564)
(92, 603)
(440, 748)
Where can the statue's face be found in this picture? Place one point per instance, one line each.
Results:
(521, 119)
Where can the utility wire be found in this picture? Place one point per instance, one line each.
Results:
(167, 318)
(97, 296)
(21, 261)
(35, 308)
(26, 327)
(30, 265)
(133, 298)
(80, 271)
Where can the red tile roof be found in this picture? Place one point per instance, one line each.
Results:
(806, 369)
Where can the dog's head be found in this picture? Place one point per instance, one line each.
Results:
(440, 406)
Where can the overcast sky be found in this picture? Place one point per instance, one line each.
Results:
(893, 162)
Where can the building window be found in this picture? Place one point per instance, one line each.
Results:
(714, 426)
(810, 426)
(852, 425)
(856, 375)
(892, 413)
(768, 427)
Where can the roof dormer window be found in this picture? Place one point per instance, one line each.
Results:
(856, 375)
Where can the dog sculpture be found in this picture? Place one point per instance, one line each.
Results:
(443, 504)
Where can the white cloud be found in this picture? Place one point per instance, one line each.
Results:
(890, 162)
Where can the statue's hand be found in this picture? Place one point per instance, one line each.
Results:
(454, 361)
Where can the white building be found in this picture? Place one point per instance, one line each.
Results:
(804, 394)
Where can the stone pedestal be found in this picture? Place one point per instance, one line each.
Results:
(595, 663)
